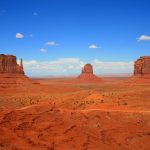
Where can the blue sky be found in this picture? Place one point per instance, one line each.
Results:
(70, 33)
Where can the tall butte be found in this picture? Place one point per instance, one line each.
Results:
(141, 71)
(142, 67)
(11, 73)
(87, 74)
(8, 64)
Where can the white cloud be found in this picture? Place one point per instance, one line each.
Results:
(94, 46)
(144, 38)
(51, 43)
(43, 50)
(112, 67)
(19, 35)
(62, 66)
(35, 14)
(30, 62)
(72, 66)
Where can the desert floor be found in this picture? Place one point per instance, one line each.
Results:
(68, 114)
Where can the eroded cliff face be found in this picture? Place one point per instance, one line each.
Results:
(12, 74)
(8, 64)
(142, 66)
(141, 71)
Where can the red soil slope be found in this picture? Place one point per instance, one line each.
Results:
(61, 114)
(44, 127)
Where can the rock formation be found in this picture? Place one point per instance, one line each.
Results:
(8, 64)
(142, 66)
(87, 73)
(11, 73)
(141, 71)
(87, 69)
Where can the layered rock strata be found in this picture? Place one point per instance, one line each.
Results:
(11, 73)
(142, 66)
(8, 64)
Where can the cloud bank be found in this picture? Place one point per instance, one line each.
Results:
(73, 66)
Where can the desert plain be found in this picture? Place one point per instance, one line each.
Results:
(74, 74)
(70, 114)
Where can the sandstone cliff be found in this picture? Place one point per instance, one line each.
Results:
(11, 73)
(141, 71)
(8, 64)
(142, 66)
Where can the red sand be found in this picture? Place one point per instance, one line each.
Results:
(66, 114)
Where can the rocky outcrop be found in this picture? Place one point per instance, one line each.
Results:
(142, 66)
(87, 73)
(11, 73)
(8, 64)
(87, 69)
(141, 71)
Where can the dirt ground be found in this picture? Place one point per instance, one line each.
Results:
(69, 114)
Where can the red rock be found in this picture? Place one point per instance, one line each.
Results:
(11, 73)
(87, 73)
(141, 71)
(8, 64)
(142, 66)
(88, 68)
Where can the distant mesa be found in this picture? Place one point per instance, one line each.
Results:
(11, 73)
(142, 67)
(87, 74)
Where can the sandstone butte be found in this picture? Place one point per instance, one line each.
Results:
(87, 74)
(142, 67)
(11, 73)
(141, 73)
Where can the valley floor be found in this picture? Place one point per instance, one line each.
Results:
(67, 114)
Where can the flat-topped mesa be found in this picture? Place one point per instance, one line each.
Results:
(87, 73)
(142, 66)
(8, 64)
